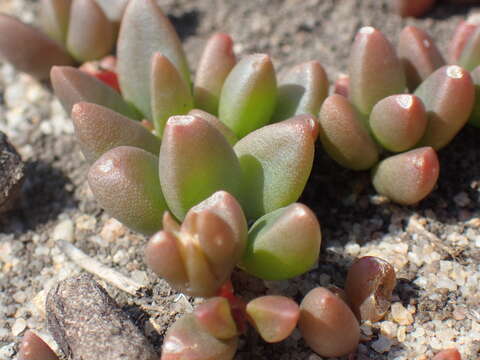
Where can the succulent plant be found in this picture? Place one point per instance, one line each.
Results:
(371, 110)
(34, 348)
(327, 324)
(71, 32)
(448, 354)
(369, 285)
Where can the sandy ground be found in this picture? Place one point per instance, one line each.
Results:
(434, 246)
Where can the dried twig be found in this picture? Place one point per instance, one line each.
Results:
(102, 271)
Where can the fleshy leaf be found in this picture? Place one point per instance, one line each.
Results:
(248, 95)
(419, 55)
(274, 317)
(99, 129)
(342, 85)
(470, 55)
(276, 161)
(475, 115)
(409, 177)
(90, 33)
(20, 43)
(283, 244)
(72, 86)
(113, 9)
(195, 161)
(215, 317)
(415, 8)
(213, 120)
(198, 257)
(54, 18)
(170, 93)
(145, 30)
(125, 182)
(217, 60)
(186, 339)
(375, 70)
(369, 285)
(301, 90)
(461, 35)
(448, 354)
(343, 135)
(448, 95)
(327, 324)
(398, 122)
(34, 348)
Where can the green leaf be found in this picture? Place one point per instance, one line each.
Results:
(72, 86)
(54, 18)
(125, 182)
(170, 93)
(195, 161)
(215, 64)
(301, 90)
(20, 43)
(90, 33)
(248, 95)
(407, 178)
(448, 95)
(283, 244)
(419, 55)
(99, 129)
(343, 135)
(276, 161)
(213, 120)
(375, 70)
(398, 122)
(215, 317)
(186, 339)
(145, 30)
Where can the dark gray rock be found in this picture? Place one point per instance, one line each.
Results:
(11, 174)
(88, 324)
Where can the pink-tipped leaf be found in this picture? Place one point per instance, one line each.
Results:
(415, 8)
(344, 136)
(215, 316)
(327, 324)
(34, 348)
(375, 70)
(90, 33)
(217, 60)
(248, 97)
(195, 161)
(448, 354)
(125, 182)
(283, 244)
(461, 35)
(274, 317)
(170, 93)
(342, 85)
(276, 161)
(419, 55)
(407, 178)
(301, 90)
(475, 115)
(470, 55)
(186, 339)
(448, 95)
(28, 49)
(54, 18)
(220, 126)
(145, 30)
(72, 86)
(398, 122)
(99, 129)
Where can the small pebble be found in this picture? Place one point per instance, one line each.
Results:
(401, 315)
(64, 231)
(18, 326)
(382, 345)
(112, 230)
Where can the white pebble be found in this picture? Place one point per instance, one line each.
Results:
(401, 315)
(64, 231)
(18, 327)
(383, 344)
